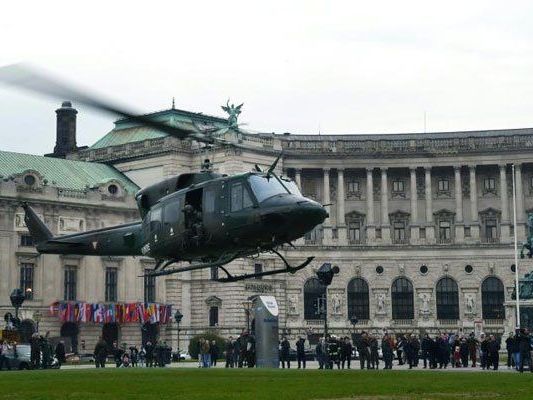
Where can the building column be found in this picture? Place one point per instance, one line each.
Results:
(430, 227)
(326, 200)
(370, 224)
(298, 178)
(415, 233)
(341, 222)
(385, 223)
(474, 214)
(505, 225)
(459, 223)
(520, 213)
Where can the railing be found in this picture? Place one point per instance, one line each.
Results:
(448, 322)
(493, 322)
(490, 240)
(72, 193)
(444, 240)
(400, 241)
(403, 322)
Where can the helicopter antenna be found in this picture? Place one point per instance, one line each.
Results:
(173, 103)
(273, 166)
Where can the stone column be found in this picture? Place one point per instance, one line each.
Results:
(326, 200)
(298, 178)
(430, 227)
(341, 222)
(504, 198)
(459, 225)
(474, 215)
(414, 208)
(370, 224)
(520, 213)
(385, 223)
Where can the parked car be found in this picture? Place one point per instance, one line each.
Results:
(19, 356)
(184, 355)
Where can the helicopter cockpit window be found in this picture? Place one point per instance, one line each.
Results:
(264, 188)
(240, 198)
(291, 185)
(155, 219)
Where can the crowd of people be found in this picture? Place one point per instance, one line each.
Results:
(150, 355)
(240, 352)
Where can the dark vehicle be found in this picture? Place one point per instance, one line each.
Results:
(204, 218)
(19, 356)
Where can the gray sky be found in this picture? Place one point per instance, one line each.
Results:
(346, 67)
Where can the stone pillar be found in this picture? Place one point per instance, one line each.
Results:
(370, 223)
(414, 208)
(385, 223)
(474, 215)
(459, 225)
(341, 222)
(430, 227)
(326, 200)
(504, 198)
(520, 213)
(298, 178)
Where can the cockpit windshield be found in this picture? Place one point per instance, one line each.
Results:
(264, 188)
(291, 185)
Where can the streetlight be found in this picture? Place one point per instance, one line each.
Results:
(17, 297)
(325, 275)
(178, 317)
(353, 321)
(247, 308)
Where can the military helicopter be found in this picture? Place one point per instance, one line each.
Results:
(204, 218)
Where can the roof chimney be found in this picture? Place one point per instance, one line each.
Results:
(66, 130)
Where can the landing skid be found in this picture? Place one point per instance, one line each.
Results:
(287, 269)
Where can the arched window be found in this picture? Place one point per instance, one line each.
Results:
(492, 298)
(314, 299)
(358, 299)
(402, 299)
(447, 299)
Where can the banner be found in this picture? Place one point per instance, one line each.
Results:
(121, 313)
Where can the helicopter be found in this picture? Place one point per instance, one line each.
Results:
(203, 218)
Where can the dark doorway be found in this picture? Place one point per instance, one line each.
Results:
(110, 333)
(70, 331)
(150, 332)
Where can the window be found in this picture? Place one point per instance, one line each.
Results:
(209, 200)
(468, 232)
(492, 298)
(213, 316)
(149, 286)
(469, 269)
(112, 189)
(111, 284)
(258, 268)
(240, 199)
(379, 270)
(26, 240)
(491, 229)
(314, 299)
(423, 269)
(354, 232)
(444, 185)
(489, 185)
(26, 279)
(445, 233)
(29, 180)
(422, 233)
(358, 299)
(402, 299)
(447, 299)
(70, 283)
(214, 273)
(398, 186)
(314, 236)
(353, 186)
(399, 232)
(378, 233)
(264, 188)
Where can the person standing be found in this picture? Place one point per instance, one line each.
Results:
(300, 352)
(484, 351)
(472, 348)
(229, 352)
(464, 352)
(206, 355)
(214, 353)
(60, 353)
(509, 346)
(387, 348)
(4, 347)
(149, 354)
(347, 350)
(100, 353)
(364, 353)
(524, 345)
(374, 354)
(426, 346)
(285, 348)
(319, 352)
(494, 352)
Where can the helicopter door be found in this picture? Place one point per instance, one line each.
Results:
(212, 209)
(155, 227)
(241, 210)
(172, 229)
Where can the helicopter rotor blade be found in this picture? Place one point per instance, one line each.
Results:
(22, 76)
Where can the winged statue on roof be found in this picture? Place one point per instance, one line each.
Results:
(233, 113)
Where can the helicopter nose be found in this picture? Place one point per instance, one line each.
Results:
(311, 214)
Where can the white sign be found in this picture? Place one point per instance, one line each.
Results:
(271, 304)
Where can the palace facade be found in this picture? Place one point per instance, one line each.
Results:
(421, 227)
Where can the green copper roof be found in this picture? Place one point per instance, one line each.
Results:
(126, 131)
(62, 173)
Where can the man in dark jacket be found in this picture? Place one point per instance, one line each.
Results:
(214, 352)
(229, 352)
(346, 353)
(60, 353)
(524, 345)
(100, 353)
(364, 353)
(509, 346)
(472, 348)
(285, 348)
(35, 348)
(149, 350)
(387, 347)
(484, 349)
(426, 347)
(374, 354)
(319, 352)
(494, 349)
(300, 352)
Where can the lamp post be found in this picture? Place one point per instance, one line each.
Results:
(247, 308)
(17, 297)
(353, 321)
(178, 317)
(325, 275)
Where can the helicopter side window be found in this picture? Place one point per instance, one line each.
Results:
(291, 186)
(264, 188)
(155, 219)
(172, 214)
(240, 198)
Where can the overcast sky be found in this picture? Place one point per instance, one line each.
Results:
(299, 66)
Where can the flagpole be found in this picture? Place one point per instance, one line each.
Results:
(515, 252)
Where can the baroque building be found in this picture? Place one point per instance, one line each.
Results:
(420, 225)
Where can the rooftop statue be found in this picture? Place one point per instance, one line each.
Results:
(525, 287)
(233, 113)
